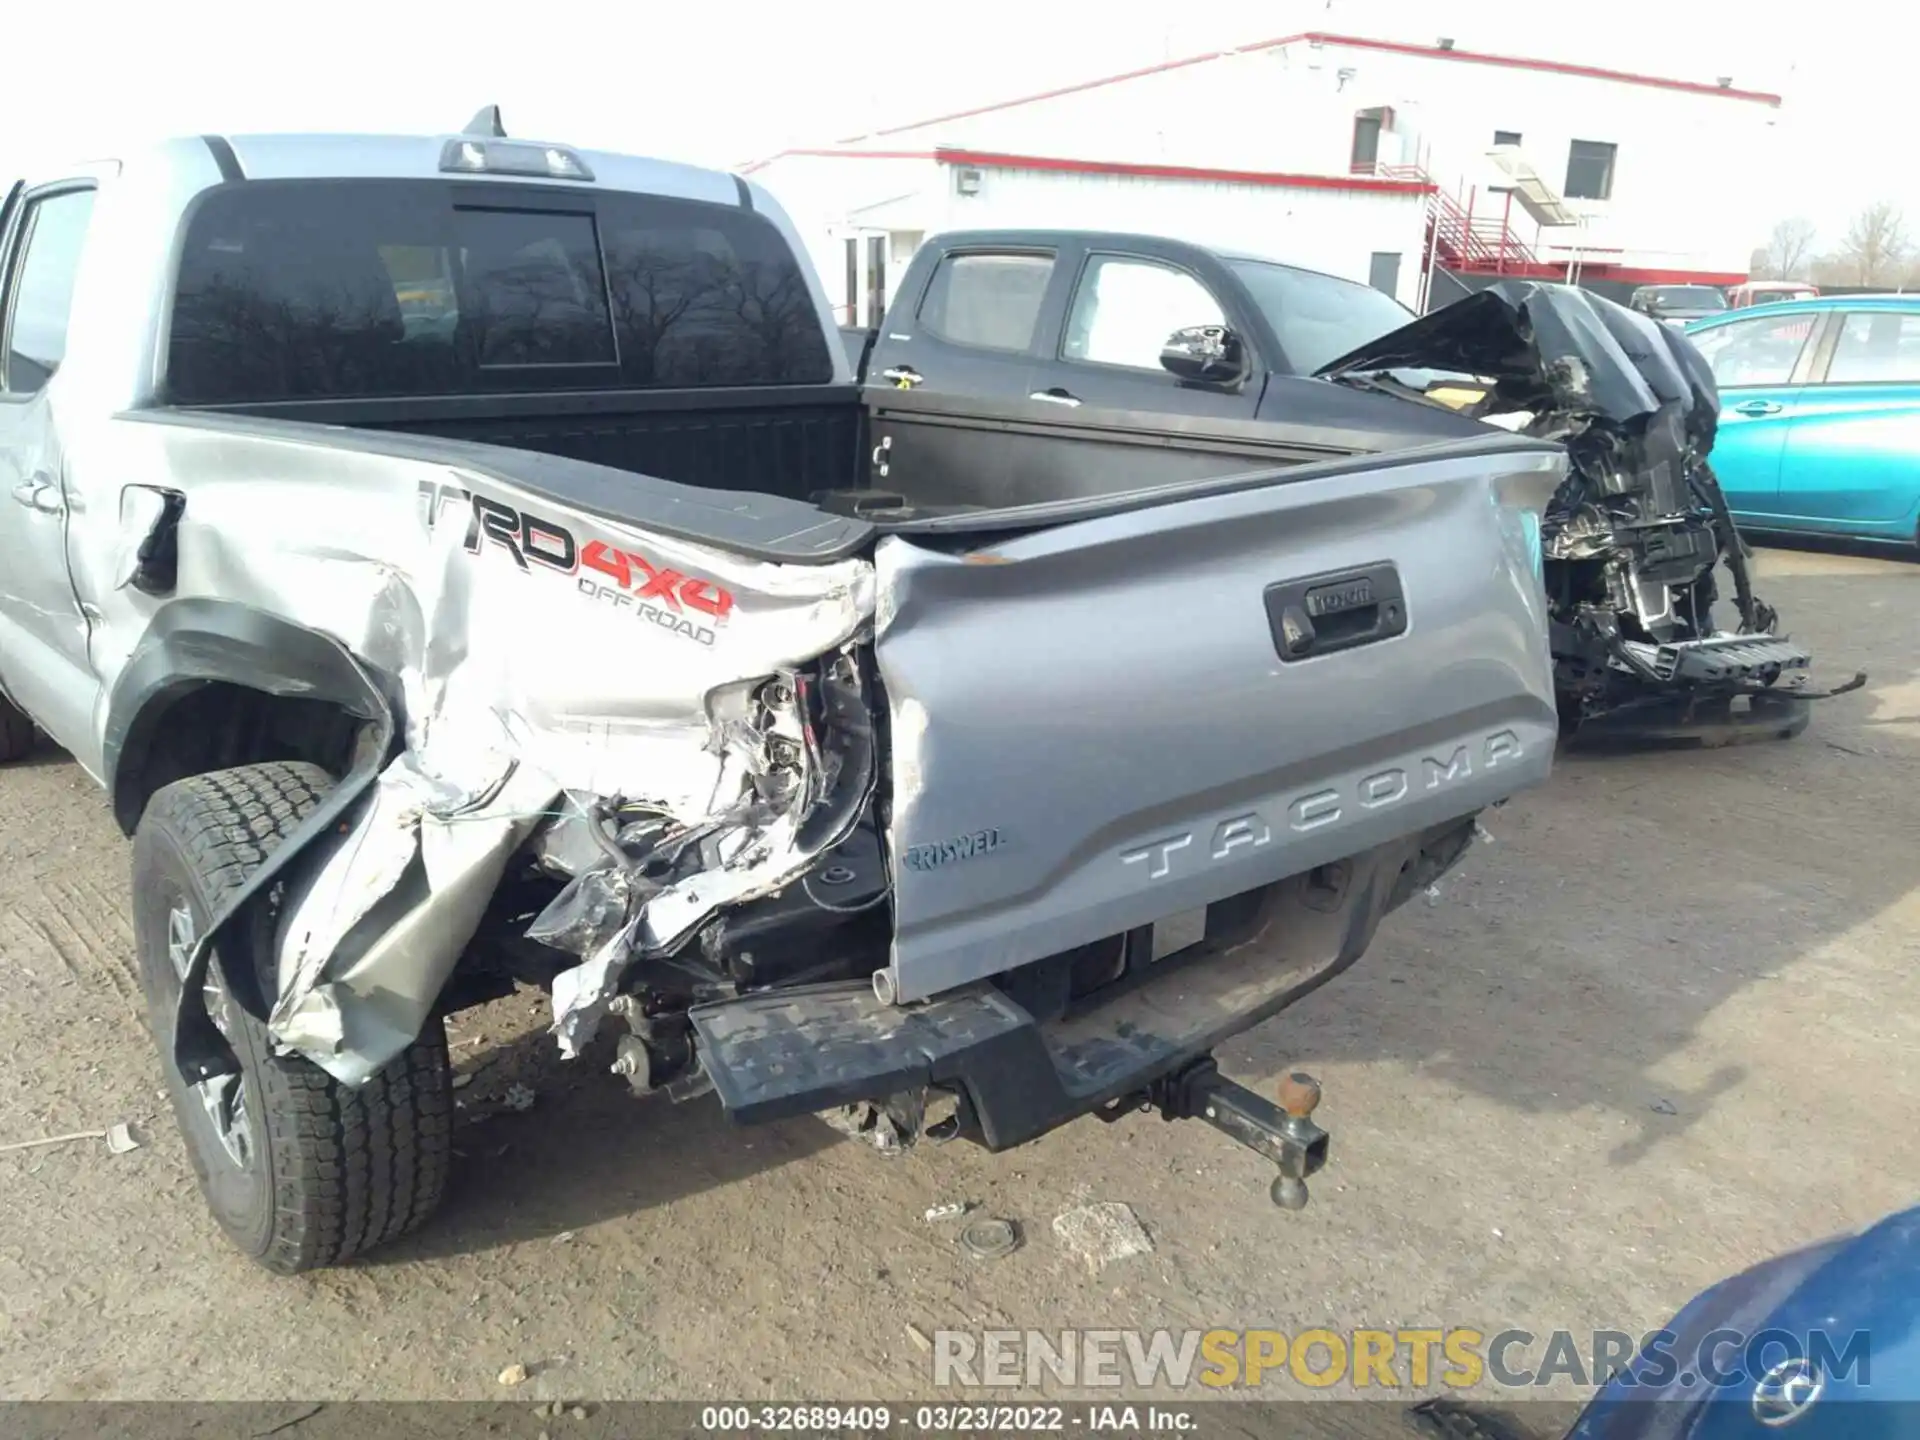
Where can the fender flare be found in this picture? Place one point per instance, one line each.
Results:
(193, 642)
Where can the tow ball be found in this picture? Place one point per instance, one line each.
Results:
(1283, 1133)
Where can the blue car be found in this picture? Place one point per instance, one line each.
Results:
(1820, 415)
(1822, 1343)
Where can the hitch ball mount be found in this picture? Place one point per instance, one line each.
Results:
(1284, 1133)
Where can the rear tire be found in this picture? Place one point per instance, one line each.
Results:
(16, 732)
(300, 1170)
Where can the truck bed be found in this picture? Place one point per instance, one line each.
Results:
(1108, 710)
(762, 522)
(788, 441)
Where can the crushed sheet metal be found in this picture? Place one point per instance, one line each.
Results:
(522, 678)
(373, 1002)
(1632, 540)
(759, 852)
(580, 995)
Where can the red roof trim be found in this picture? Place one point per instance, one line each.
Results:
(1606, 270)
(1074, 89)
(1430, 52)
(1280, 180)
(1555, 67)
(1633, 276)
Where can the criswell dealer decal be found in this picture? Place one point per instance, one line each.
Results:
(686, 605)
(948, 852)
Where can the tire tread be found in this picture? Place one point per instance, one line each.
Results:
(353, 1167)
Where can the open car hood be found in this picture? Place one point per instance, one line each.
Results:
(1554, 347)
(1632, 539)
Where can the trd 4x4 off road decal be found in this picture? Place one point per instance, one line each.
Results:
(687, 605)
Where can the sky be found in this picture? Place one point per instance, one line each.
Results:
(724, 83)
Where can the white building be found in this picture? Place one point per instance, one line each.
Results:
(1367, 158)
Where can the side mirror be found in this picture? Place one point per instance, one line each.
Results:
(1210, 354)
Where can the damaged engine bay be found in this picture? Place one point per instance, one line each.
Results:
(1632, 541)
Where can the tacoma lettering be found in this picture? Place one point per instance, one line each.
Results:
(1245, 833)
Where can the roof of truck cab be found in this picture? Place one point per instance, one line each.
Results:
(1042, 239)
(354, 157)
(1036, 239)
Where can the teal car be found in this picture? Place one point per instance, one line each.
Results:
(1820, 415)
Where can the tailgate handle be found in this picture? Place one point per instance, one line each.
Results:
(1340, 610)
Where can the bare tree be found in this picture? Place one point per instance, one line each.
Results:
(1875, 246)
(1788, 251)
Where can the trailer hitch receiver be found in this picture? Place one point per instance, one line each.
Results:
(1283, 1133)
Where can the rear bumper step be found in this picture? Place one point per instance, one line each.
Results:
(779, 1054)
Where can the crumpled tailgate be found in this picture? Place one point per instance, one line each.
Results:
(1092, 726)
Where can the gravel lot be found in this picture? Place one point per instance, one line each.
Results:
(1656, 1031)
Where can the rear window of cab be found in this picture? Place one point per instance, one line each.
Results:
(322, 290)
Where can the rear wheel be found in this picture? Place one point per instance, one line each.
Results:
(300, 1170)
(16, 731)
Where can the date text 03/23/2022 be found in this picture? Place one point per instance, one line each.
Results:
(943, 1419)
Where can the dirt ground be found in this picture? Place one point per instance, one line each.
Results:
(1654, 1032)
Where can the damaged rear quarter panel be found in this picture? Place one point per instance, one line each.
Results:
(537, 649)
(1095, 730)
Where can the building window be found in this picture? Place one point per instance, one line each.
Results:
(1506, 137)
(1589, 170)
(876, 279)
(1366, 141)
(1368, 126)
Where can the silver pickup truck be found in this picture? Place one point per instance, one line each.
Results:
(449, 555)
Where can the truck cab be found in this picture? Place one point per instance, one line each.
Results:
(1050, 351)
(456, 559)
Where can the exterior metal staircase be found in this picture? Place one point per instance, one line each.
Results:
(1475, 244)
